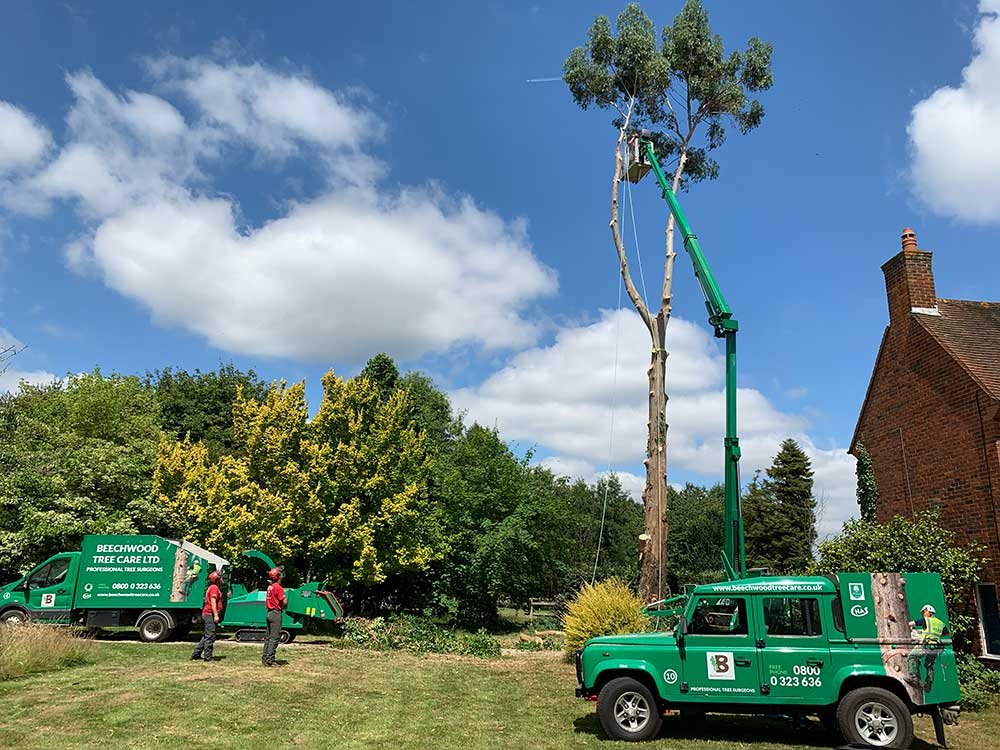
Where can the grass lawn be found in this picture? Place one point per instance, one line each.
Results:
(137, 696)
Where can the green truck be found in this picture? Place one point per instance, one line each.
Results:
(156, 585)
(840, 647)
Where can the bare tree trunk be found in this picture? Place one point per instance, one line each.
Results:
(652, 546)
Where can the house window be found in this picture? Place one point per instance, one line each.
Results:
(989, 618)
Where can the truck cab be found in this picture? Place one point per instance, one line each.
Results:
(840, 647)
(44, 594)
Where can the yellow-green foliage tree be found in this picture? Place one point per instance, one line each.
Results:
(342, 497)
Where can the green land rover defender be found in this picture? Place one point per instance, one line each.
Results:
(863, 651)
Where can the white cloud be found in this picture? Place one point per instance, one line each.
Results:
(560, 397)
(347, 274)
(353, 270)
(955, 134)
(23, 141)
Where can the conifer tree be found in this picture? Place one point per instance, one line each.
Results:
(780, 513)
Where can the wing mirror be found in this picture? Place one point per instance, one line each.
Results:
(682, 628)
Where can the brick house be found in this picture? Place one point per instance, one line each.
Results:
(931, 416)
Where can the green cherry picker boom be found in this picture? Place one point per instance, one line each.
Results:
(862, 651)
(642, 158)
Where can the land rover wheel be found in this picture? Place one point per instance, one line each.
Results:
(628, 711)
(14, 616)
(876, 717)
(154, 628)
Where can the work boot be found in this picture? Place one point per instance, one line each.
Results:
(195, 657)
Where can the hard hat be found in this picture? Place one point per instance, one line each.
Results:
(274, 574)
(927, 608)
(214, 577)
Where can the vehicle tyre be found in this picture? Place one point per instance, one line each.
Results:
(287, 636)
(15, 616)
(154, 628)
(628, 711)
(875, 716)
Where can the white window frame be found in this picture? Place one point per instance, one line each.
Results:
(980, 620)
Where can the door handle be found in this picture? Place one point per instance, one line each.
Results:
(814, 662)
(60, 591)
(742, 662)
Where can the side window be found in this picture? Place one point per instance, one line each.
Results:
(40, 578)
(49, 575)
(58, 571)
(719, 615)
(838, 614)
(792, 615)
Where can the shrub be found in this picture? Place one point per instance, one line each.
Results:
(980, 685)
(605, 608)
(912, 545)
(416, 634)
(25, 649)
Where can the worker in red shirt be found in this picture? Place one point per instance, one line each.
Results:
(211, 613)
(275, 603)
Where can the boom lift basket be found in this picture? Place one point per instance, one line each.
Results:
(636, 164)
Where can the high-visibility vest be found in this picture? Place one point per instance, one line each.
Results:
(933, 629)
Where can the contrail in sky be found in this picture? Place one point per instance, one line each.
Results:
(543, 80)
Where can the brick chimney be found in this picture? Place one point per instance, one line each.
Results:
(909, 281)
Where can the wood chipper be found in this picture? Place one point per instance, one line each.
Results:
(245, 608)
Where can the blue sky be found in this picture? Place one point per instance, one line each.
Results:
(298, 187)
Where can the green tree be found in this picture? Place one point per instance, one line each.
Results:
(790, 479)
(430, 410)
(343, 497)
(867, 489)
(75, 458)
(623, 523)
(382, 371)
(780, 513)
(685, 90)
(696, 521)
(200, 404)
(912, 545)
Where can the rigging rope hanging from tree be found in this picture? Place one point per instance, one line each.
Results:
(680, 89)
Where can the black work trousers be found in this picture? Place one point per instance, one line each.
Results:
(272, 637)
(206, 645)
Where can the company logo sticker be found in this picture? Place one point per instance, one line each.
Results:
(720, 665)
(88, 587)
(858, 611)
(48, 600)
(857, 592)
(6, 595)
(670, 677)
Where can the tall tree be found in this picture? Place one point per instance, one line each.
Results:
(382, 371)
(685, 90)
(342, 497)
(867, 489)
(75, 458)
(200, 404)
(780, 513)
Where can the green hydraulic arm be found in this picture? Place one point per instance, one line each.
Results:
(720, 316)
